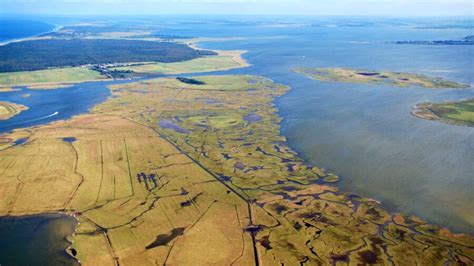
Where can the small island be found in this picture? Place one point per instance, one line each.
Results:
(469, 40)
(456, 113)
(9, 110)
(378, 77)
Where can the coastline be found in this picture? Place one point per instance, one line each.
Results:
(30, 38)
(77, 217)
(237, 54)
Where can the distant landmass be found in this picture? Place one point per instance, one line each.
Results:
(469, 40)
(377, 77)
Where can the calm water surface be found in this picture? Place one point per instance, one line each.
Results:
(36, 240)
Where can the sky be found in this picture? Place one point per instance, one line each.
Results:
(393, 8)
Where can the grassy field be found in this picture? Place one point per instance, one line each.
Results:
(131, 188)
(49, 78)
(376, 77)
(9, 110)
(458, 113)
(224, 61)
(207, 187)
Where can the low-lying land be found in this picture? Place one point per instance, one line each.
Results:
(178, 173)
(385, 77)
(42, 54)
(456, 113)
(9, 110)
(139, 200)
(49, 78)
(224, 60)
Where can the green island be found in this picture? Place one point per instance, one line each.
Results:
(164, 166)
(9, 110)
(378, 77)
(455, 113)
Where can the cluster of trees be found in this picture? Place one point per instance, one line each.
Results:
(42, 54)
(190, 81)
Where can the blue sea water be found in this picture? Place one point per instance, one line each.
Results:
(20, 28)
(36, 240)
(50, 105)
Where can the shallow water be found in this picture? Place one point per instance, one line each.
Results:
(252, 118)
(50, 105)
(365, 133)
(45, 106)
(36, 240)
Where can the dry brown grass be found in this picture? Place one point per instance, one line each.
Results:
(9, 110)
(96, 177)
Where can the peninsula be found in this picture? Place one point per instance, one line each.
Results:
(9, 110)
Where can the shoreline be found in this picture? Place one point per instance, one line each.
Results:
(236, 55)
(11, 109)
(30, 38)
(279, 124)
(194, 44)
